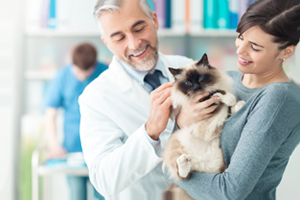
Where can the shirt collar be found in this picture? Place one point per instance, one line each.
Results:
(140, 75)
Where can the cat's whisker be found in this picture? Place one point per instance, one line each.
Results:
(189, 93)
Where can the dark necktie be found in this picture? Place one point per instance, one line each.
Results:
(153, 79)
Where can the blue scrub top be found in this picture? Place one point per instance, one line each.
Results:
(63, 91)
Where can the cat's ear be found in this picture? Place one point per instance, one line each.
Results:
(203, 60)
(175, 71)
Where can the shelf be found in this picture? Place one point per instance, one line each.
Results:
(78, 33)
(75, 171)
(214, 33)
(61, 33)
(161, 33)
(170, 33)
(39, 75)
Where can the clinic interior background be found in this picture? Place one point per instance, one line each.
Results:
(37, 37)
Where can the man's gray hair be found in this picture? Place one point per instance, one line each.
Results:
(114, 5)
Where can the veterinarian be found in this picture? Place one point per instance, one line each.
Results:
(63, 92)
(259, 139)
(124, 124)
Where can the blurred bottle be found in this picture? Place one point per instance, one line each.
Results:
(210, 14)
(234, 12)
(223, 14)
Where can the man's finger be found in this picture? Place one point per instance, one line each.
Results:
(163, 87)
(161, 97)
(155, 94)
(167, 103)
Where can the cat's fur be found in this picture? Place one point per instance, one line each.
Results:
(197, 148)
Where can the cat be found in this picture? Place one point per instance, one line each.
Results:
(196, 148)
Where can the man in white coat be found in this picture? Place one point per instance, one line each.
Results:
(123, 127)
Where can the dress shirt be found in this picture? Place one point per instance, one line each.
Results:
(139, 76)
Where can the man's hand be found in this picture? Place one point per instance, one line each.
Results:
(196, 111)
(159, 110)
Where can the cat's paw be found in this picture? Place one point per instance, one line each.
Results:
(237, 107)
(227, 98)
(184, 165)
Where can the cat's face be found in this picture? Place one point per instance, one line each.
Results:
(195, 78)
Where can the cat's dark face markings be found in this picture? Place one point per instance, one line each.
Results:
(203, 61)
(194, 81)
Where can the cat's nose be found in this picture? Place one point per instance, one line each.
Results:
(196, 86)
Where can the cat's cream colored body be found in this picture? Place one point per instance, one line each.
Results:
(199, 143)
(196, 148)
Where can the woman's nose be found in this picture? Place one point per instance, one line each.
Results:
(240, 48)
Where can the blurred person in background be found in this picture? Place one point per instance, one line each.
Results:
(63, 92)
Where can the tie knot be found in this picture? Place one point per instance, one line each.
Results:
(152, 78)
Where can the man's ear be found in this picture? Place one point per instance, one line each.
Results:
(155, 20)
(105, 42)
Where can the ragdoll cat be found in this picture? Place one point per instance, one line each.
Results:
(197, 148)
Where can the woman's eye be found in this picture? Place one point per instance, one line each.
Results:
(201, 78)
(188, 83)
(255, 49)
(240, 37)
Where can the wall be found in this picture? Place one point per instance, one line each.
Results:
(10, 94)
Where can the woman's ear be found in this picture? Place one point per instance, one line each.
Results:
(289, 51)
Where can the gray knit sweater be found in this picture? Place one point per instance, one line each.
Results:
(257, 142)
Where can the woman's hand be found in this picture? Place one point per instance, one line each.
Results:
(196, 111)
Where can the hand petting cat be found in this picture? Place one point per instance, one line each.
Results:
(160, 109)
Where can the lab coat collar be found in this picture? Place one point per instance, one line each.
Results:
(124, 81)
(131, 87)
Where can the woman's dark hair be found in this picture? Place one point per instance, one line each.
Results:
(85, 56)
(279, 18)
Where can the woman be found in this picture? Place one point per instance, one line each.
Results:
(258, 140)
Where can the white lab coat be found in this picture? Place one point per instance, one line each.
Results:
(122, 163)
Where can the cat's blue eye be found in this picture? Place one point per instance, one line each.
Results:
(188, 83)
(201, 78)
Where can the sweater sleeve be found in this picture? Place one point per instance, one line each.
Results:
(267, 127)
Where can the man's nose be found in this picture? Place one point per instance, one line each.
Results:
(134, 42)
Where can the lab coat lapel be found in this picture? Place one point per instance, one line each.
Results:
(171, 122)
(167, 64)
(129, 86)
(136, 92)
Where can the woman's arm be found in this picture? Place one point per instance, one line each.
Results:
(267, 127)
